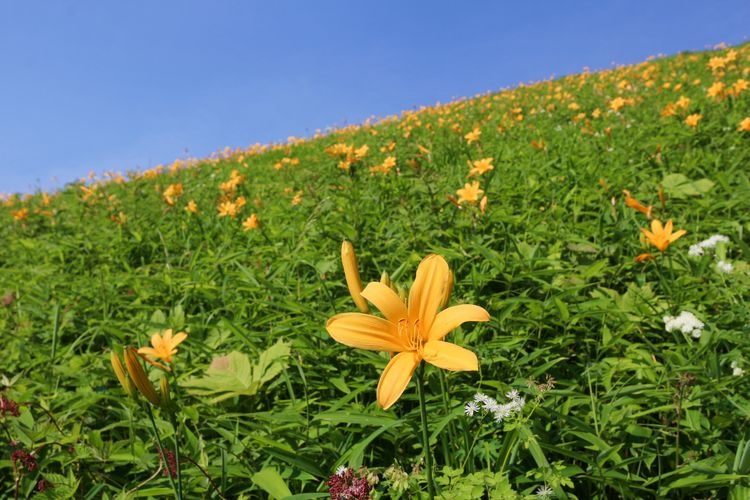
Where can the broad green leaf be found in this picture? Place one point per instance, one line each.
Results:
(679, 186)
(234, 374)
(270, 481)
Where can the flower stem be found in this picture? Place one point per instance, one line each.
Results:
(176, 427)
(177, 492)
(425, 436)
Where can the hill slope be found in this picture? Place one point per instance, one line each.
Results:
(521, 191)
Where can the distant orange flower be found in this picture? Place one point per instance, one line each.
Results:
(637, 205)
(473, 136)
(228, 208)
(716, 90)
(744, 125)
(361, 152)
(164, 346)
(683, 102)
(469, 193)
(740, 86)
(717, 63)
(297, 199)
(480, 167)
(192, 207)
(250, 223)
(692, 120)
(617, 103)
(171, 193)
(20, 214)
(662, 236)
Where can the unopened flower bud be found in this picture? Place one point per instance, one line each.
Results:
(121, 375)
(139, 377)
(351, 272)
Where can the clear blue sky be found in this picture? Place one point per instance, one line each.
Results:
(117, 85)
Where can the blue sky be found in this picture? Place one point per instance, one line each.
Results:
(112, 85)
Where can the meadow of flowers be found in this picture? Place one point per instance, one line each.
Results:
(535, 293)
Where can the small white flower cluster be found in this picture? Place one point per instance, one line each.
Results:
(723, 266)
(736, 370)
(686, 322)
(499, 411)
(698, 249)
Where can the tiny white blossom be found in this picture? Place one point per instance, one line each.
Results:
(471, 408)
(736, 370)
(724, 267)
(544, 492)
(481, 398)
(697, 249)
(512, 394)
(686, 322)
(341, 470)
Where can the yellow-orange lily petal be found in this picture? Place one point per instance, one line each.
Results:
(386, 300)
(396, 377)
(364, 331)
(428, 291)
(450, 356)
(449, 319)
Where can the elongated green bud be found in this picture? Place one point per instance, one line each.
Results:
(351, 272)
(166, 399)
(385, 279)
(139, 377)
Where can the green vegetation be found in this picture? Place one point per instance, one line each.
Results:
(265, 402)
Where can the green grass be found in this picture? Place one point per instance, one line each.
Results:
(635, 412)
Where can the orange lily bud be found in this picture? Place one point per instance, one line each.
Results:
(121, 375)
(351, 272)
(139, 377)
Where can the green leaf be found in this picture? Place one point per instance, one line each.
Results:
(680, 187)
(270, 481)
(234, 375)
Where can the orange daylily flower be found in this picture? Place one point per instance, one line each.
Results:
(661, 236)
(164, 346)
(414, 330)
(469, 193)
(692, 120)
(250, 223)
(479, 167)
(637, 205)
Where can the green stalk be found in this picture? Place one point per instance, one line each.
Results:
(173, 418)
(177, 492)
(425, 436)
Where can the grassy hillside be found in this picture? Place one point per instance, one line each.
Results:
(520, 191)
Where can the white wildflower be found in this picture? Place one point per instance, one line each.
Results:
(482, 398)
(544, 492)
(695, 250)
(724, 267)
(686, 322)
(471, 408)
(698, 249)
(341, 470)
(736, 370)
(512, 394)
